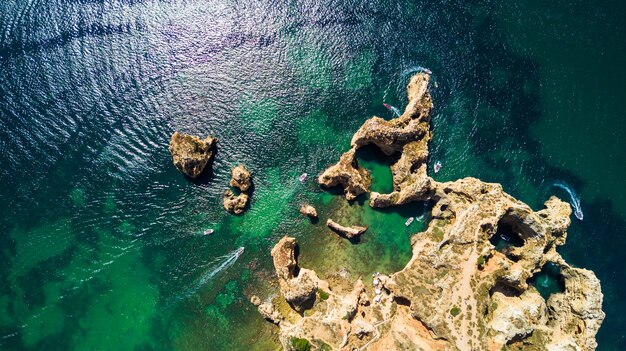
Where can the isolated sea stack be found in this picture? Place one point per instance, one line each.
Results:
(241, 179)
(350, 232)
(469, 283)
(309, 211)
(190, 153)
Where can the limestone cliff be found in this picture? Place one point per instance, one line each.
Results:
(467, 285)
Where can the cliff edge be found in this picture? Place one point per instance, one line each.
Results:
(469, 283)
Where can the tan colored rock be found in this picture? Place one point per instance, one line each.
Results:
(255, 300)
(458, 291)
(190, 153)
(308, 210)
(235, 203)
(349, 232)
(241, 178)
(298, 286)
(347, 174)
(408, 135)
(270, 313)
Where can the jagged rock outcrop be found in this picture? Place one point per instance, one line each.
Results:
(347, 173)
(235, 203)
(348, 232)
(298, 286)
(408, 135)
(468, 285)
(308, 210)
(242, 180)
(190, 153)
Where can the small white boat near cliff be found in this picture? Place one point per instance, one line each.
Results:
(409, 221)
(302, 177)
(437, 166)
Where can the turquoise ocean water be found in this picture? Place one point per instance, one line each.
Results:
(101, 237)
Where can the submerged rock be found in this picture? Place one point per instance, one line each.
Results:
(190, 153)
(308, 210)
(242, 180)
(349, 232)
(459, 291)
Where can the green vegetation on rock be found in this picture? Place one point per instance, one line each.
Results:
(298, 344)
(454, 311)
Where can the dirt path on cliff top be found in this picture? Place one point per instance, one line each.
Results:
(463, 297)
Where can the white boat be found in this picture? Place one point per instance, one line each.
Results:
(505, 238)
(239, 251)
(208, 232)
(303, 177)
(409, 221)
(437, 166)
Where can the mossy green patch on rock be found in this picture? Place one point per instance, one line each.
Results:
(454, 311)
(298, 344)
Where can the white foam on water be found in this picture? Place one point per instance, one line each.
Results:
(220, 264)
(574, 199)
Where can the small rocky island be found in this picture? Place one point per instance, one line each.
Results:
(241, 179)
(190, 153)
(459, 291)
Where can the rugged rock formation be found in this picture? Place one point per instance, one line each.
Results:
(349, 232)
(190, 153)
(408, 135)
(235, 203)
(308, 210)
(348, 174)
(298, 286)
(242, 180)
(468, 285)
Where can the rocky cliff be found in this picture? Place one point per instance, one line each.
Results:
(468, 285)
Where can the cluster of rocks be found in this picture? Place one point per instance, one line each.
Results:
(241, 179)
(458, 291)
(191, 155)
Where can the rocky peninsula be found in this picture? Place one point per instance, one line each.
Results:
(459, 291)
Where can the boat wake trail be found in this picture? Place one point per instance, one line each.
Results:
(574, 199)
(219, 264)
(393, 109)
(415, 69)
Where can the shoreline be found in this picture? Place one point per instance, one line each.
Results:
(452, 259)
